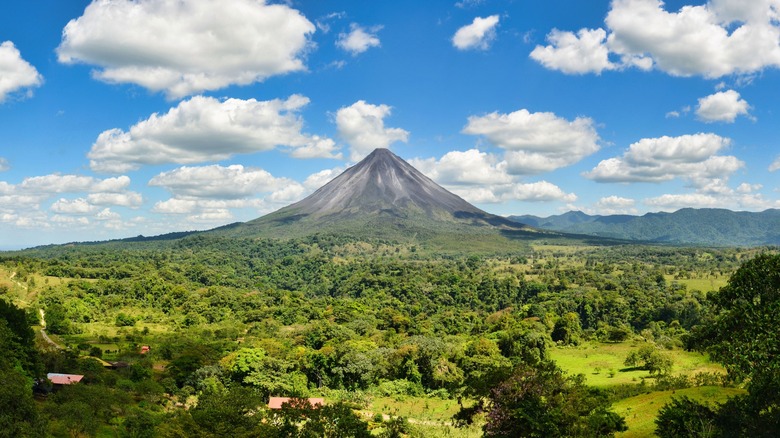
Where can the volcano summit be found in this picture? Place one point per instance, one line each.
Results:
(380, 196)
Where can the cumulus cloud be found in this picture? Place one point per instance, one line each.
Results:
(358, 39)
(689, 157)
(207, 129)
(4, 164)
(536, 142)
(74, 206)
(719, 38)
(211, 194)
(470, 167)
(362, 125)
(219, 182)
(127, 199)
(609, 205)
(24, 205)
(15, 73)
(585, 52)
(184, 48)
(723, 106)
(477, 35)
(480, 177)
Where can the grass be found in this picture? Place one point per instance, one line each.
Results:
(431, 417)
(421, 409)
(641, 411)
(595, 360)
(701, 284)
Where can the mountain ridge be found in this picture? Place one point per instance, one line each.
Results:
(705, 226)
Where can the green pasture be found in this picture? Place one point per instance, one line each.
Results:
(641, 411)
(602, 363)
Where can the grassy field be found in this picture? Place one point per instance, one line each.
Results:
(431, 417)
(640, 411)
(602, 364)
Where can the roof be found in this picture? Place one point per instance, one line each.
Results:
(276, 402)
(64, 379)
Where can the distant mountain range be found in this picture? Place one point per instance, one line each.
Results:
(689, 226)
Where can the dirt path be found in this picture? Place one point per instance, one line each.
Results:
(43, 332)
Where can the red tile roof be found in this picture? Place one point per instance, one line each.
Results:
(64, 379)
(276, 402)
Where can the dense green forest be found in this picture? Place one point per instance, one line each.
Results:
(232, 322)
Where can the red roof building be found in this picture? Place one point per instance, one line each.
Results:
(277, 402)
(64, 379)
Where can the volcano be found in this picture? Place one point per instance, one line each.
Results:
(381, 196)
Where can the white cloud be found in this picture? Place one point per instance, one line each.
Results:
(15, 73)
(775, 165)
(362, 126)
(219, 182)
(610, 205)
(56, 183)
(585, 52)
(4, 165)
(184, 48)
(719, 38)
(541, 191)
(463, 4)
(211, 194)
(127, 199)
(319, 179)
(723, 106)
(674, 202)
(324, 22)
(79, 206)
(207, 129)
(689, 157)
(477, 35)
(24, 206)
(471, 167)
(480, 177)
(359, 39)
(536, 142)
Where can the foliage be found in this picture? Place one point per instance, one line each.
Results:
(298, 418)
(542, 402)
(650, 358)
(743, 334)
(685, 418)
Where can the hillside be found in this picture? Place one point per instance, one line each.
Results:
(708, 226)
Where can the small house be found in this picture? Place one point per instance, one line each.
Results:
(277, 402)
(58, 379)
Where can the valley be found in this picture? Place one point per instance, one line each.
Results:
(381, 326)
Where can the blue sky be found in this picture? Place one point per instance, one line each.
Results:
(120, 118)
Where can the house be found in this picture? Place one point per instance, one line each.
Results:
(64, 379)
(277, 402)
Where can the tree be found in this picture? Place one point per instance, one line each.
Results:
(743, 336)
(685, 418)
(567, 329)
(649, 358)
(298, 418)
(541, 401)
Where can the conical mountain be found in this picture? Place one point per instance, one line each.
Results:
(381, 196)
